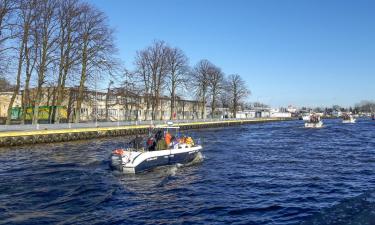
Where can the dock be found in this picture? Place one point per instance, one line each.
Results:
(50, 134)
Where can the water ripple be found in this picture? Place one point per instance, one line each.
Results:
(275, 173)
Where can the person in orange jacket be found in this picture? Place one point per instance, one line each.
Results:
(168, 138)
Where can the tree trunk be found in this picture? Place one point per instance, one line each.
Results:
(203, 107)
(80, 95)
(183, 110)
(59, 81)
(213, 104)
(26, 97)
(36, 107)
(82, 83)
(18, 82)
(106, 103)
(173, 102)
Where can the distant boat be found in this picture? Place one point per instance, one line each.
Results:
(314, 122)
(347, 118)
(373, 116)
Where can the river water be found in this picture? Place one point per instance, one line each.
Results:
(272, 173)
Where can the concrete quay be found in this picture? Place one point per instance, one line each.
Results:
(47, 135)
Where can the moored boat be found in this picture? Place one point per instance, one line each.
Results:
(181, 150)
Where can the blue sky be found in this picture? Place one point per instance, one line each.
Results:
(299, 52)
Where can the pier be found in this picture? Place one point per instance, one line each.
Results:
(14, 135)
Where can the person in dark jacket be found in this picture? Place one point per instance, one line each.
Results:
(137, 142)
(151, 144)
(159, 135)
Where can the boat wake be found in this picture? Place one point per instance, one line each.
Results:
(198, 159)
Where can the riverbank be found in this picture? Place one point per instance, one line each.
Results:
(27, 137)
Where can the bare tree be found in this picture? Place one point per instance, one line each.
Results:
(25, 18)
(177, 76)
(237, 90)
(200, 80)
(131, 92)
(5, 84)
(96, 47)
(68, 14)
(7, 8)
(31, 54)
(45, 36)
(216, 79)
(152, 68)
(144, 75)
(7, 11)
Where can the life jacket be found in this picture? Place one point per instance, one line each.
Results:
(168, 138)
(189, 141)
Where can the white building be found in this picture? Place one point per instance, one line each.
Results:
(246, 114)
(277, 113)
(291, 109)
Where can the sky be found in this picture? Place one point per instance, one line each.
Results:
(289, 52)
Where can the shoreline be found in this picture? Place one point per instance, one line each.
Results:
(17, 138)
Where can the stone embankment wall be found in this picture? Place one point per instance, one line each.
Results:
(13, 138)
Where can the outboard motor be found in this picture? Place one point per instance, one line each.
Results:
(117, 159)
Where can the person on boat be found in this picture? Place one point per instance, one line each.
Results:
(161, 145)
(137, 142)
(168, 138)
(151, 144)
(189, 141)
(158, 135)
(175, 142)
(183, 139)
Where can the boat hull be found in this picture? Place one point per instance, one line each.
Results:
(314, 125)
(135, 162)
(349, 121)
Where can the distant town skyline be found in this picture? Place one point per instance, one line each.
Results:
(303, 53)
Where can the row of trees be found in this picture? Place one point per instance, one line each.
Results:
(52, 41)
(164, 70)
(60, 43)
(364, 106)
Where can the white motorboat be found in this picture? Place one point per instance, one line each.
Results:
(314, 122)
(133, 160)
(348, 119)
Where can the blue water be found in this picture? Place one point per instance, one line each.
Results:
(274, 173)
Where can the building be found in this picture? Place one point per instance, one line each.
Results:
(246, 114)
(280, 113)
(116, 105)
(5, 98)
(120, 104)
(254, 112)
(291, 109)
